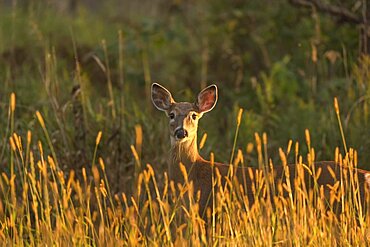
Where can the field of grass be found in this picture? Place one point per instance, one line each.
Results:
(83, 151)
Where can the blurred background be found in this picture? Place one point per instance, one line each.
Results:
(87, 66)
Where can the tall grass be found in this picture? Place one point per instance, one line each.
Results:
(43, 205)
(81, 177)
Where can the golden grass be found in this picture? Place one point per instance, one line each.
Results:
(44, 205)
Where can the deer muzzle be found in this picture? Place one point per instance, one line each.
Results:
(181, 133)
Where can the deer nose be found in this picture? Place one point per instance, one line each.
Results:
(181, 133)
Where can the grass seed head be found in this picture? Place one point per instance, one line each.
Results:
(336, 105)
(250, 147)
(98, 138)
(102, 165)
(203, 141)
(40, 119)
(133, 150)
(12, 144)
(239, 118)
(12, 102)
(308, 138)
(29, 137)
(51, 163)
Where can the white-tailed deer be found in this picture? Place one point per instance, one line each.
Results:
(183, 123)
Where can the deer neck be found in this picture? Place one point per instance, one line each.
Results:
(185, 152)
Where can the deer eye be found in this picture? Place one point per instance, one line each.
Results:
(171, 115)
(194, 116)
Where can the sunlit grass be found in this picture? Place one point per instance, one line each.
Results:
(42, 204)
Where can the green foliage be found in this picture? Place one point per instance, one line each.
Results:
(281, 64)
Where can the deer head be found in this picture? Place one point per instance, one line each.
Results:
(183, 116)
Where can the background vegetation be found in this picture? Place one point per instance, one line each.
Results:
(87, 66)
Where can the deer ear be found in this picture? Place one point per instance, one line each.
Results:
(207, 99)
(161, 97)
